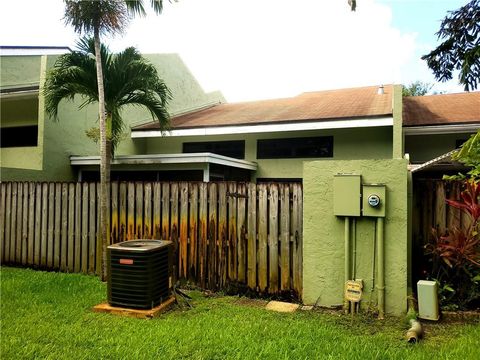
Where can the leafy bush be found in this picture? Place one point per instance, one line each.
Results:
(455, 255)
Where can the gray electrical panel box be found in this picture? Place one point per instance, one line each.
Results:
(347, 195)
(374, 200)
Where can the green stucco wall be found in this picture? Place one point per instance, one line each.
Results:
(358, 143)
(423, 148)
(67, 136)
(397, 109)
(323, 250)
(17, 71)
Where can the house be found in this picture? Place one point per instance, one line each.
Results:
(312, 138)
(435, 125)
(34, 147)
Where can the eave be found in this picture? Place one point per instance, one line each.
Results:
(267, 128)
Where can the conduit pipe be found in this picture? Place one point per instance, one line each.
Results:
(347, 259)
(354, 244)
(380, 269)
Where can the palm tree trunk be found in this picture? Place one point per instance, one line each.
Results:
(104, 157)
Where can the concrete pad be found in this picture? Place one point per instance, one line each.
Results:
(306, 307)
(281, 306)
(136, 313)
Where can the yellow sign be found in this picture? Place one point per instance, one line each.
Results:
(353, 290)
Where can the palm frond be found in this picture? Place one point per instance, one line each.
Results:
(129, 79)
(107, 16)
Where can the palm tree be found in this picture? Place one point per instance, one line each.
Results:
(104, 17)
(130, 80)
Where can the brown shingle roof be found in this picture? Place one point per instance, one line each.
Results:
(320, 105)
(441, 109)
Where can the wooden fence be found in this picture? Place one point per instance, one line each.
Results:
(430, 210)
(223, 232)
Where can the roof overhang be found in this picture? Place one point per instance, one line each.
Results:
(442, 129)
(266, 128)
(170, 159)
(19, 92)
(33, 50)
(444, 160)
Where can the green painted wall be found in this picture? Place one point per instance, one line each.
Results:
(323, 249)
(397, 109)
(358, 143)
(20, 112)
(67, 136)
(19, 71)
(427, 147)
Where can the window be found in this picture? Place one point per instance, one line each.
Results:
(307, 147)
(19, 136)
(234, 149)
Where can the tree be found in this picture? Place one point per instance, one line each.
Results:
(460, 49)
(416, 88)
(131, 80)
(104, 17)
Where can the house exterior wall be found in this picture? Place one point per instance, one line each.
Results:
(17, 71)
(358, 143)
(49, 160)
(323, 247)
(423, 148)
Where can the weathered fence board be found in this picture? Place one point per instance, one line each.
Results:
(222, 235)
(202, 233)
(92, 231)
(212, 236)
(84, 244)
(57, 226)
(273, 239)
(64, 227)
(432, 212)
(71, 227)
(147, 216)
(18, 236)
(193, 230)
(183, 231)
(262, 217)
(242, 233)
(232, 232)
(122, 212)
(13, 226)
(3, 193)
(25, 224)
(252, 237)
(285, 236)
(223, 232)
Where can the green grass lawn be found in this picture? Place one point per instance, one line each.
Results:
(48, 315)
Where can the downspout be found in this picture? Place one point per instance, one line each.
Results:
(380, 269)
(347, 258)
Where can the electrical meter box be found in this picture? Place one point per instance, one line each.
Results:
(427, 294)
(346, 195)
(373, 200)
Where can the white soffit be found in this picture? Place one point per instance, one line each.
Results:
(442, 129)
(152, 159)
(266, 128)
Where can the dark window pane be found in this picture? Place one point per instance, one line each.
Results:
(234, 149)
(19, 136)
(308, 147)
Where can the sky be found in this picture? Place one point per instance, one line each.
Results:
(261, 49)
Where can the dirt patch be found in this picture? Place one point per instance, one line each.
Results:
(257, 303)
